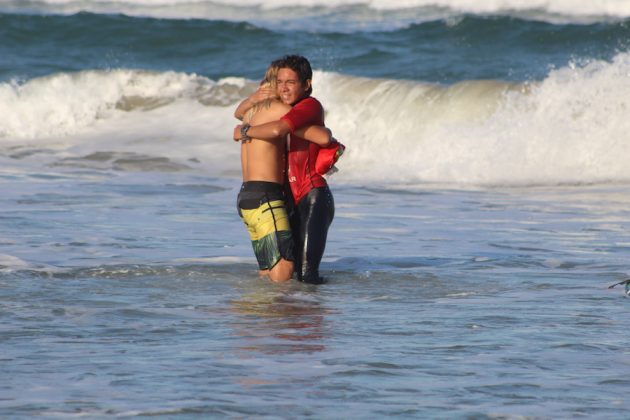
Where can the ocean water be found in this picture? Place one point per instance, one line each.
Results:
(482, 211)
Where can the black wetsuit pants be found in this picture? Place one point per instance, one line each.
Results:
(310, 220)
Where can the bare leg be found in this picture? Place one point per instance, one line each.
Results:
(282, 271)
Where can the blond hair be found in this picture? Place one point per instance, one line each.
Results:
(270, 80)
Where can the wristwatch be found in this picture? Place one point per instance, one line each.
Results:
(244, 129)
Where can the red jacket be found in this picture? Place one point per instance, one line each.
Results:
(302, 154)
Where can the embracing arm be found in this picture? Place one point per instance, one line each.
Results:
(317, 134)
(305, 120)
(262, 93)
(268, 131)
(243, 107)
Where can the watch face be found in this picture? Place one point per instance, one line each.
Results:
(244, 129)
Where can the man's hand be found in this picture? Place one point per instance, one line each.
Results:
(237, 132)
(262, 93)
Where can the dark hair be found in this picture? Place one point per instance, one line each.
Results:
(299, 65)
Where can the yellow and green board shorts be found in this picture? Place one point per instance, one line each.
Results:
(262, 208)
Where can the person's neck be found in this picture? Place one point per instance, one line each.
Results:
(301, 99)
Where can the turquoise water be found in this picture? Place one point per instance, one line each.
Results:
(482, 213)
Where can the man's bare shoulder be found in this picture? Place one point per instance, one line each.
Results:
(275, 110)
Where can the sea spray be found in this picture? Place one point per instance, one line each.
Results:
(66, 103)
(356, 12)
(571, 127)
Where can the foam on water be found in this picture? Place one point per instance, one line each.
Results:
(66, 103)
(571, 127)
(132, 120)
(373, 11)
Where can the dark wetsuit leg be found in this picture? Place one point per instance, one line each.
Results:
(310, 221)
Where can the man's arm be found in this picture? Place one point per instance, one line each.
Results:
(317, 134)
(268, 131)
(306, 113)
(273, 130)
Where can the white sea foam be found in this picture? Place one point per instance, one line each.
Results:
(571, 127)
(552, 10)
(10, 264)
(67, 103)
(136, 113)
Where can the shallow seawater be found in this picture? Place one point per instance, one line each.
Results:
(128, 285)
(128, 294)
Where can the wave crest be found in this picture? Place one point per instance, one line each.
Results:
(571, 127)
(68, 103)
(358, 12)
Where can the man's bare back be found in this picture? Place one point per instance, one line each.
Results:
(264, 160)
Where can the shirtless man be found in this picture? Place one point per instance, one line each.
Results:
(261, 200)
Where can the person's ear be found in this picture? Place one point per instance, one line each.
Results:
(308, 85)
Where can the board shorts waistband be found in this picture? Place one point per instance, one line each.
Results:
(254, 193)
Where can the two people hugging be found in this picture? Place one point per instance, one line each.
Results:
(284, 142)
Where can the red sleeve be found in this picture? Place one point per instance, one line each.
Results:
(305, 113)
